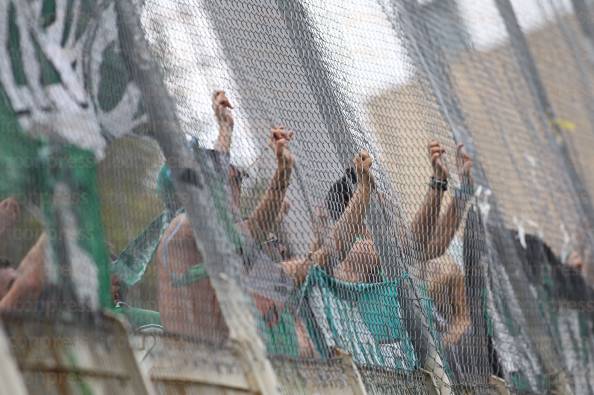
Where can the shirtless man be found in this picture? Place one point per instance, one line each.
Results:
(9, 214)
(432, 233)
(193, 307)
(21, 288)
(445, 279)
(344, 251)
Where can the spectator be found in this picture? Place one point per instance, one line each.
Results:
(432, 233)
(23, 286)
(539, 262)
(349, 240)
(7, 277)
(184, 309)
(9, 214)
(194, 305)
(431, 236)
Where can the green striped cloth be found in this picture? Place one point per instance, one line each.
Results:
(363, 319)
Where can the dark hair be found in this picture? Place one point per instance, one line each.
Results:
(5, 263)
(219, 160)
(216, 157)
(340, 193)
(540, 262)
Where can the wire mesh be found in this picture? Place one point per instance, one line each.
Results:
(401, 188)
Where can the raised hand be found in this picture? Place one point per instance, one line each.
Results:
(436, 153)
(464, 165)
(222, 108)
(363, 162)
(271, 202)
(279, 141)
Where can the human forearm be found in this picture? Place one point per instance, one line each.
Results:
(460, 319)
(297, 269)
(222, 107)
(426, 219)
(276, 226)
(223, 143)
(350, 224)
(28, 286)
(361, 264)
(264, 218)
(446, 226)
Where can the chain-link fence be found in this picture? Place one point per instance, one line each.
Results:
(390, 195)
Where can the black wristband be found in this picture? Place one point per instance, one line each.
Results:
(440, 185)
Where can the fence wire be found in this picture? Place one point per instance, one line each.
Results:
(405, 185)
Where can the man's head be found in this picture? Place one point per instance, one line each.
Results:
(221, 163)
(340, 193)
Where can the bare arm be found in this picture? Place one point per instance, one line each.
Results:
(276, 226)
(449, 222)
(358, 263)
(425, 221)
(460, 319)
(345, 231)
(446, 228)
(222, 107)
(361, 263)
(297, 269)
(350, 224)
(447, 289)
(262, 219)
(320, 226)
(30, 282)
